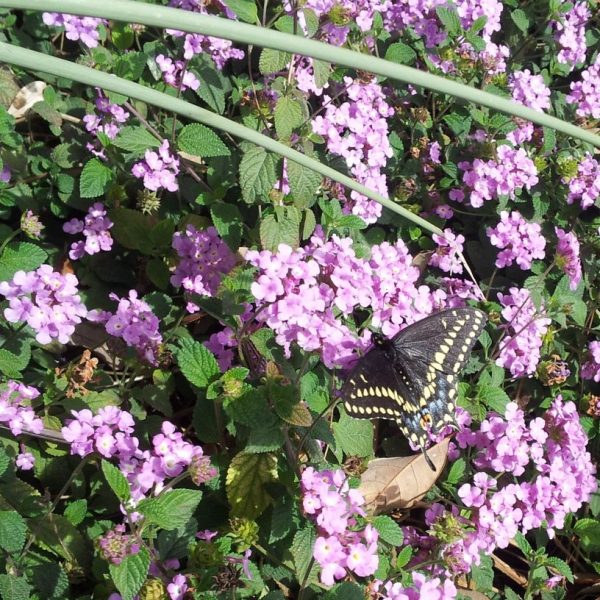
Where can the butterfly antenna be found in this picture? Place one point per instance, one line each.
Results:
(428, 460)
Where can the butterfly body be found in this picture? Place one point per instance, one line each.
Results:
(412, 377)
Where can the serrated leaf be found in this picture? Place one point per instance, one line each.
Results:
(321, 72)
(273, 61)
(211, 87)
(302, 551)
(345, 591)
(303, 183)
(354, 436)
(520, 19)
(12, 364)
(244, 10)
(116, 480)
(457, 470)
(197, 363)
(14, 588)
(288, 115)
(131, 229)
(50, 580)
(309, 223)
(20, 256)
(389, 530)
(258, 174)
(95, 179)
(246, 478)
(404, 557)
(136, 140)
(228, 222)
(172, 509)
(13, 531)
(400, 53)
(201, 141)
(450, 19)
(76, 511)
(130, 574)
(483, 574)
(561, 566)
(281, 227)
(265, 439)
(588, 531)
(494, 398)
(523, 544)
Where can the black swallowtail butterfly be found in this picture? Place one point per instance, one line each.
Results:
(412, 377)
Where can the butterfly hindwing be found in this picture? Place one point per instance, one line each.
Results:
(412, 378)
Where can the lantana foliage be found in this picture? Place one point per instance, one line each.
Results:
(181, 307)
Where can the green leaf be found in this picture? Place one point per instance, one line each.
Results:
(13, 530)
(561, 566)
(457, 470)
(244, 10)
(354, 436)
(265, 439)
(130, 574)
(520, 19)
(158, 273)
(588, 531)
(131, 229)
(228, 222)
(95, 179)
(388, 529)
(281, 227)
(321, 72)
(483, 574)
(288, 115)
(50, 580)
(116, 480)
(302, 551)
(404, 557)
(246, 478)
(400, 53)
(273, 61)
(309, 223)
(76, 511)
(494, 398)
(136, 140)
(459, 125)
(20, 256)
(450, 19)
(510, 595)
(345, 591)
(171, 509)
(14, 588)
(523, 544)
(12, 364)
(258, 174)
(197, 363)
(211, 88)
(303, 183)
(201, 141)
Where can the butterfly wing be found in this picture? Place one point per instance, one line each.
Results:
(412, 378)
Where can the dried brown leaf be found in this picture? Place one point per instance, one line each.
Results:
(391, 483)
(26, 97)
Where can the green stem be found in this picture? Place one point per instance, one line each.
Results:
(9, 239)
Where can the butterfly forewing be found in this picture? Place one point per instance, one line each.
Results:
(412, 378)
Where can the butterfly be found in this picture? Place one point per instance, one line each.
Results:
(412, 377)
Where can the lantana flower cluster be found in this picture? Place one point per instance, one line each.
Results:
(95, 228)
(357, 130)
(135, 323)
(423, 588)
(486, 180)
(524, 329)
(585, 93)
(176, 73)
(446, 255)
(47, 301)
(203, 260)
(300, 293)
(110, 433)
(570, 34)
(567, 256)
(519, 240)
(109, 119)
(590, 369)
(219, 49)
(585, 186)
(158, 169)
(340, 545)
(76, 28)
(551, 476)
(16, 412)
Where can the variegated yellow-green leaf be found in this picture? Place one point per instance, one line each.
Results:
(246, 477)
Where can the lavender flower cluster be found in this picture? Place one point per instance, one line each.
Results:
(586, 92)
(95, 228)
(47, 301)
(110, 433)
(158, 169)
(340, 545)
(570, 33)
(585, 186)
(524, 331)
(519, 240)
(567, 256)
(357, 130)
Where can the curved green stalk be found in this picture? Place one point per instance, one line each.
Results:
(131, 11)
(36, 61)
